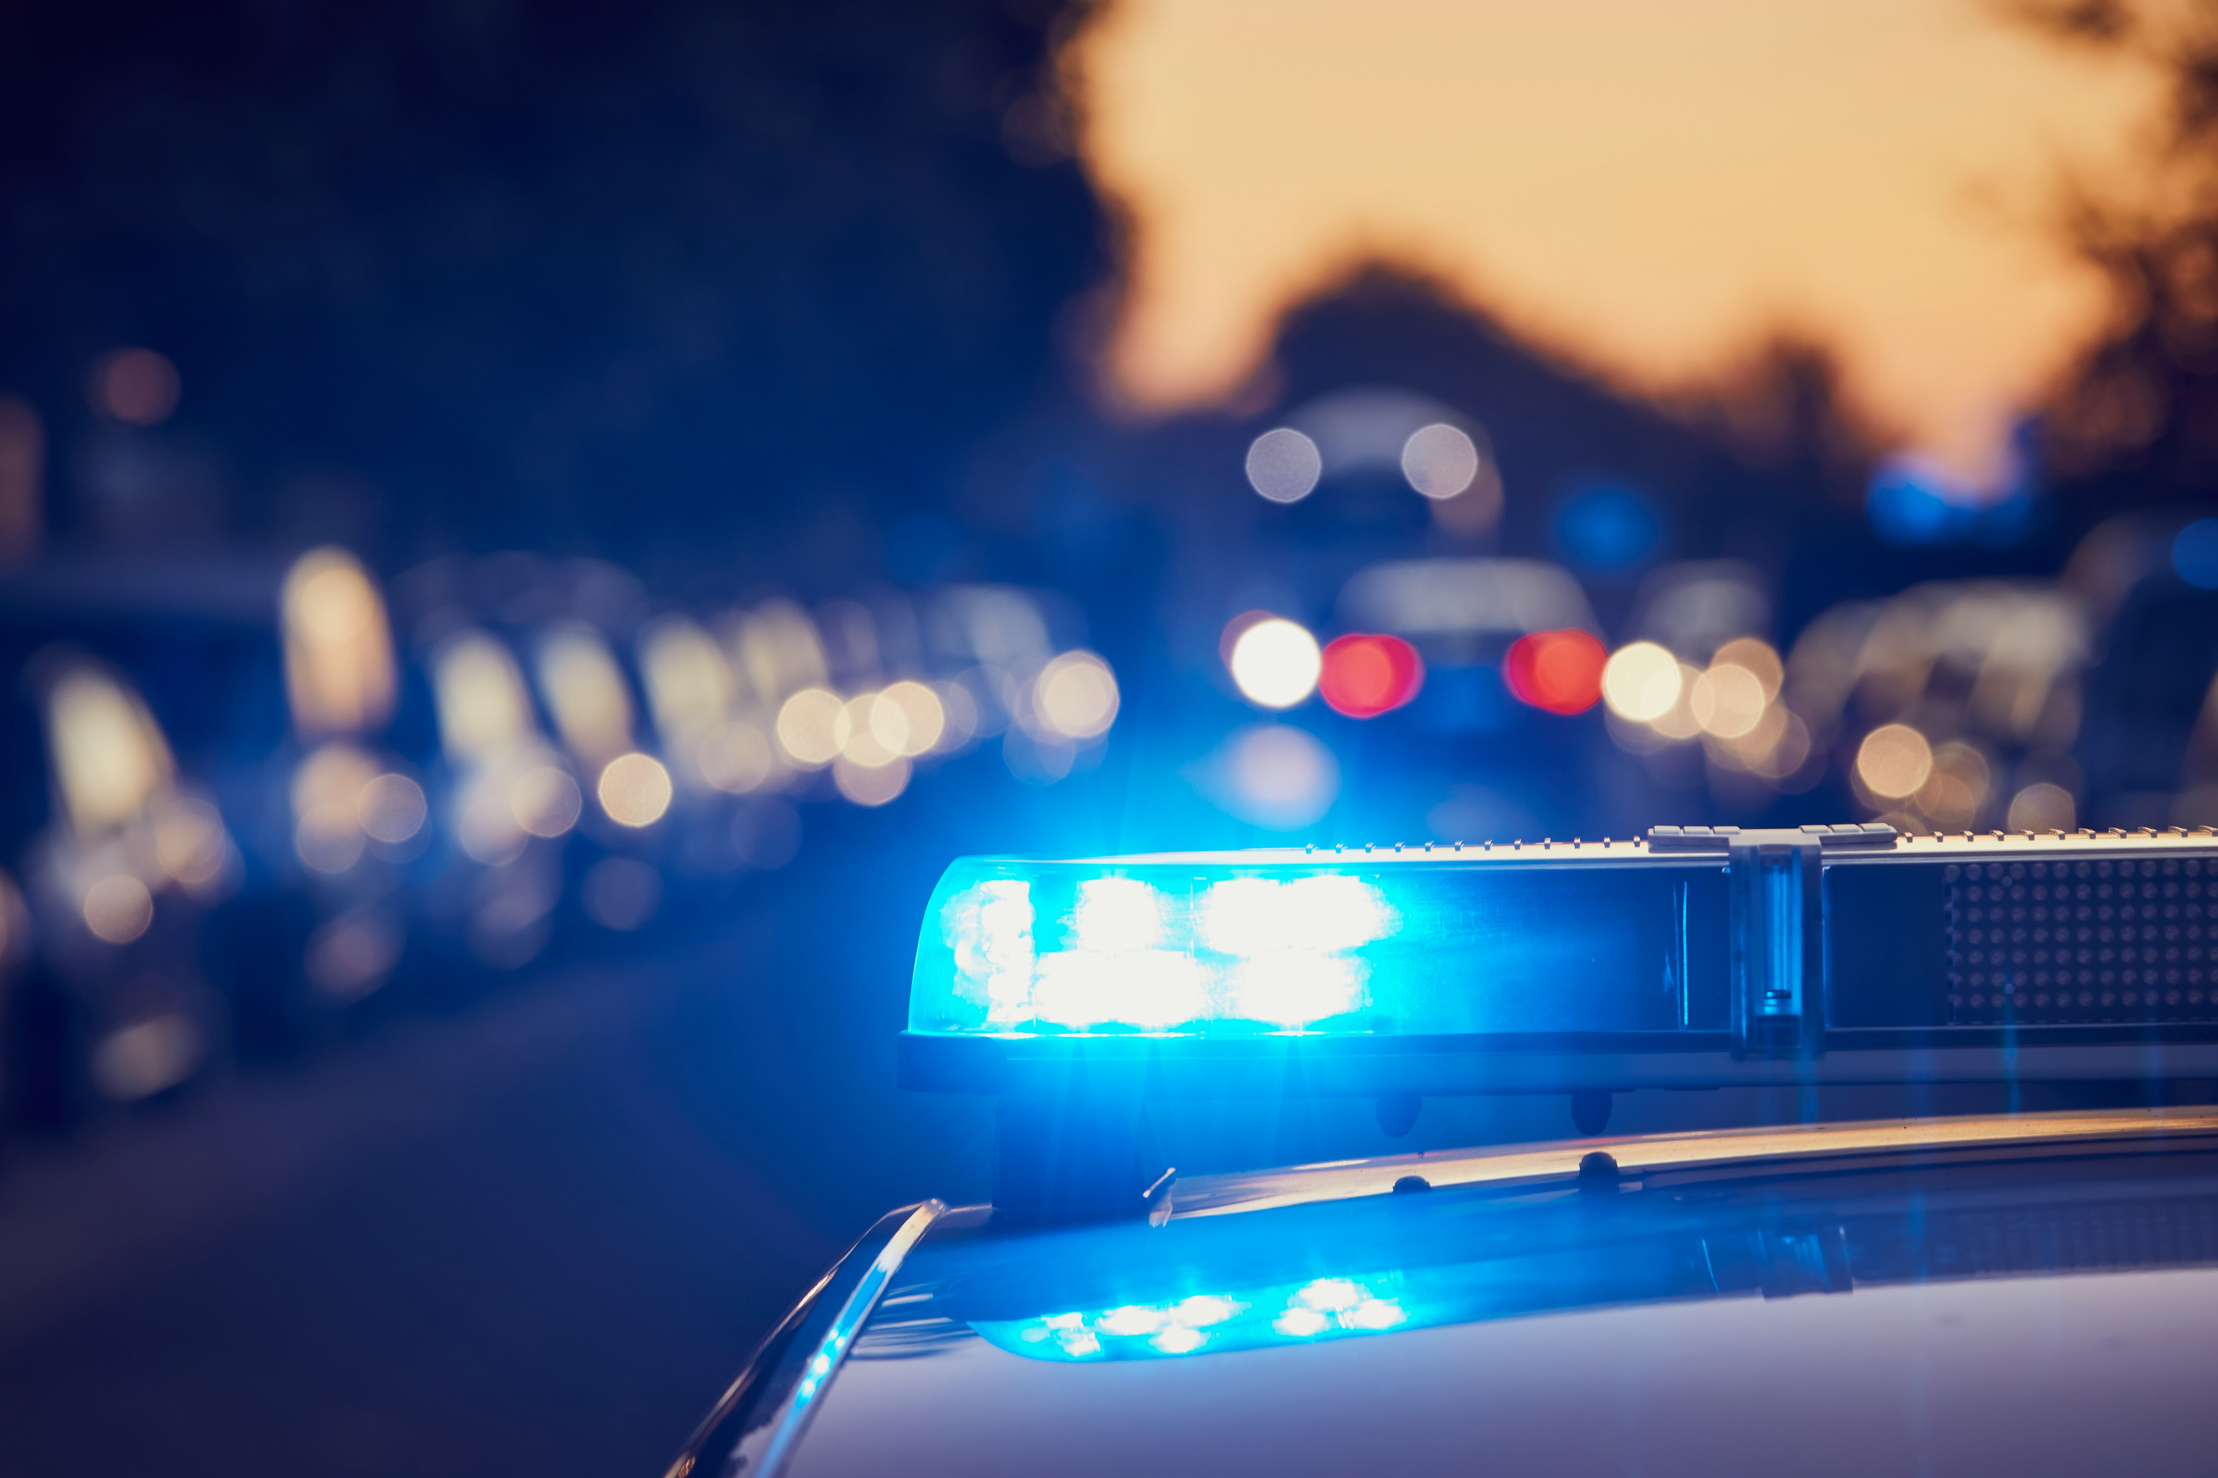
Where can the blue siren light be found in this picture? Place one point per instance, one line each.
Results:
(1692, 957)
(1153, 947)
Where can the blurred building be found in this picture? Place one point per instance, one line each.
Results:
(698, 287)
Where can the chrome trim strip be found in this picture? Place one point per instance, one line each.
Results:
(1259, 1190)
(824, 1363)
(754, 1373)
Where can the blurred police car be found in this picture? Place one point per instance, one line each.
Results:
(2023, 1293)
(112, 825)
(193, 804)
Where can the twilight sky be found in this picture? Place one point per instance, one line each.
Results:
(1645, 185)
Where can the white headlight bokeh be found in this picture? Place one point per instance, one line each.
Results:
(634, 789)
(1076, 696)
(1440, 460)
(1641, 682)
(1275, 663)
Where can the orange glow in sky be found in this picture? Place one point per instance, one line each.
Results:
(1647, 186)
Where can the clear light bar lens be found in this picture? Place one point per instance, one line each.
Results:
(1155, 947)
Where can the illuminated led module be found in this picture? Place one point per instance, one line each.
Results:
(1255, 952)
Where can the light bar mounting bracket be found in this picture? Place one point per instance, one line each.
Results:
(1777, 922)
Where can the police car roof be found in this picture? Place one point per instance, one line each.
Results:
(1853, 1298)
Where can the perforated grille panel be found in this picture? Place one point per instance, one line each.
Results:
(2080, 942)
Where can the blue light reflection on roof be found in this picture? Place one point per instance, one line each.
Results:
(1290, 1313)
(1559, 1259)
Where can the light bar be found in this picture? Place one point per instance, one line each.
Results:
(1237, 947)
(1692, 957)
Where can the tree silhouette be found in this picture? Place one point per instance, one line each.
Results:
(2139, 411)
(674, 277)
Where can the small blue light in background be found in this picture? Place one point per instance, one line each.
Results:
(1911, 501)
(2195, 554)
(1607, 528)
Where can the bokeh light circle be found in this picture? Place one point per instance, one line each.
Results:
(870, 785)
(1440, 460)
(1556, 671)
(545, 801)
(2195, 553)
(2043, 806)
(137, 386)
(735, 757)
(1894, 761)
(1076, 696)
(1758, 657)
(634, 789)
(924, 716)
(1276, 663)
(118, 908)
(876, 731)
(1365, 676)
(1279, 777)
(812, 727)
(1641, 682)
(391, 808)
(189, 844)
(1284, 465)
(1728, 701)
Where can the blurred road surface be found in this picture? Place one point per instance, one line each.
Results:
(536, 1237)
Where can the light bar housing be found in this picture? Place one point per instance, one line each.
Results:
(1694, 957)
